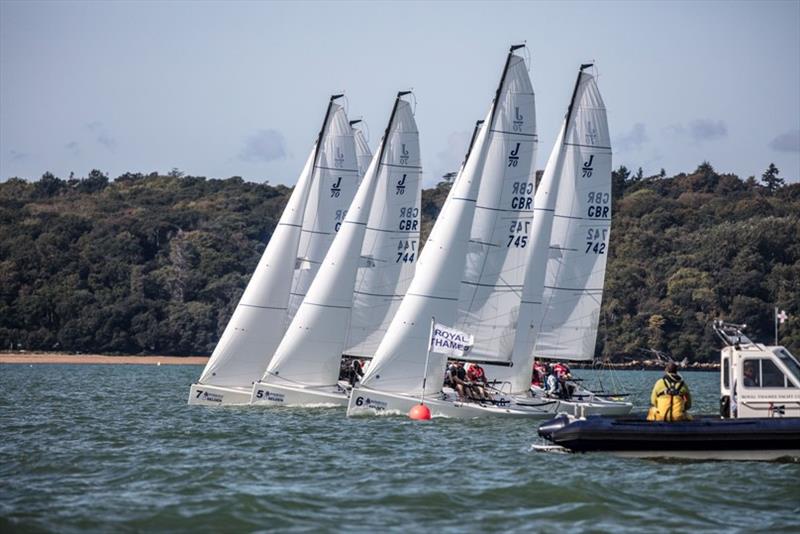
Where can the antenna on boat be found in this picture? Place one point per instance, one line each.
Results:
(731, 334)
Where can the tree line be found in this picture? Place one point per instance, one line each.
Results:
(155, 264)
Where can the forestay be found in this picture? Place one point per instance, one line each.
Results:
(391, 242)
(573, 285)
(311, 350)
(336, 178)
(399, 364)
(491, 287)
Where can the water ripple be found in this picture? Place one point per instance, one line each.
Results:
(96, 448)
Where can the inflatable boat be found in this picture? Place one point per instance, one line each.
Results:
(702, 438)
(759, 415)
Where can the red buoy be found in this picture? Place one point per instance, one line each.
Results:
(419, 411)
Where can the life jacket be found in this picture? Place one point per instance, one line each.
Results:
(670, 402)
(475, 373)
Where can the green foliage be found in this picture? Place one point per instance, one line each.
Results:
(771, 179)
(156, 264)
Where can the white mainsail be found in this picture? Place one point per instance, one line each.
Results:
(491, 287)
(569, 242)
(391, 242)
(310, 352)
(259, 320)
(336, 179)
(399, 361)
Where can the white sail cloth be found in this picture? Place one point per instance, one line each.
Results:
(258, 322)
(491, 287)
(391, 243)
(399, 362)
(310, 352)
(260, 318)
(576, 265)
(336, 179)
(569, 243)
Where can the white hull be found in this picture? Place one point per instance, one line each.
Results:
(265, 394)
(365, 401)
(205, 395)
(589, 405)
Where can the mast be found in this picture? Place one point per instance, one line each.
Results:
(502, 80)
(584, 66)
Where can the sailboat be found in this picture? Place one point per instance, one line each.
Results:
(492, 195)
(365, 271)
(323, 191)
(560, 307)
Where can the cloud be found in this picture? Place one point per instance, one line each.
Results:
(700, 130)
(264, 145)
(633, 140)
(786, 142)
(17, 156)
(74, 147)
(101, 135)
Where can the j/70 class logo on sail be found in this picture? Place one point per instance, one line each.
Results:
(403, 155)
(339, 159)
(336, 188)
(513, 157)
(587, 167)
(519, 119)
(401, 185)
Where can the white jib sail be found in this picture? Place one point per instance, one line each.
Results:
(311, 350)
(399, 361)
(336, 178)
(576, 265)
(491, 287)
(258, 322)
(391, 242)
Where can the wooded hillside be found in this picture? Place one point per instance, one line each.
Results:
(156, 264)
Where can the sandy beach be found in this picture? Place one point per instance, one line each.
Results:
(54, 357)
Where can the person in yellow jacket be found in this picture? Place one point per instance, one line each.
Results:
(670, 398)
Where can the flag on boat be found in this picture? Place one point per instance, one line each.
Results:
(782, 316)
(446, 340)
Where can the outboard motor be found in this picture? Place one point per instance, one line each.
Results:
(547, 428)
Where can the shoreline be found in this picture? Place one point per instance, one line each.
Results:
(95, 359)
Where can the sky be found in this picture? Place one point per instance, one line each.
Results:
(240, 88)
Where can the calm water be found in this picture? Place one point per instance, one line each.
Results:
(96, 448)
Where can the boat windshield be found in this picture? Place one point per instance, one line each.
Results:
(790, 362)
